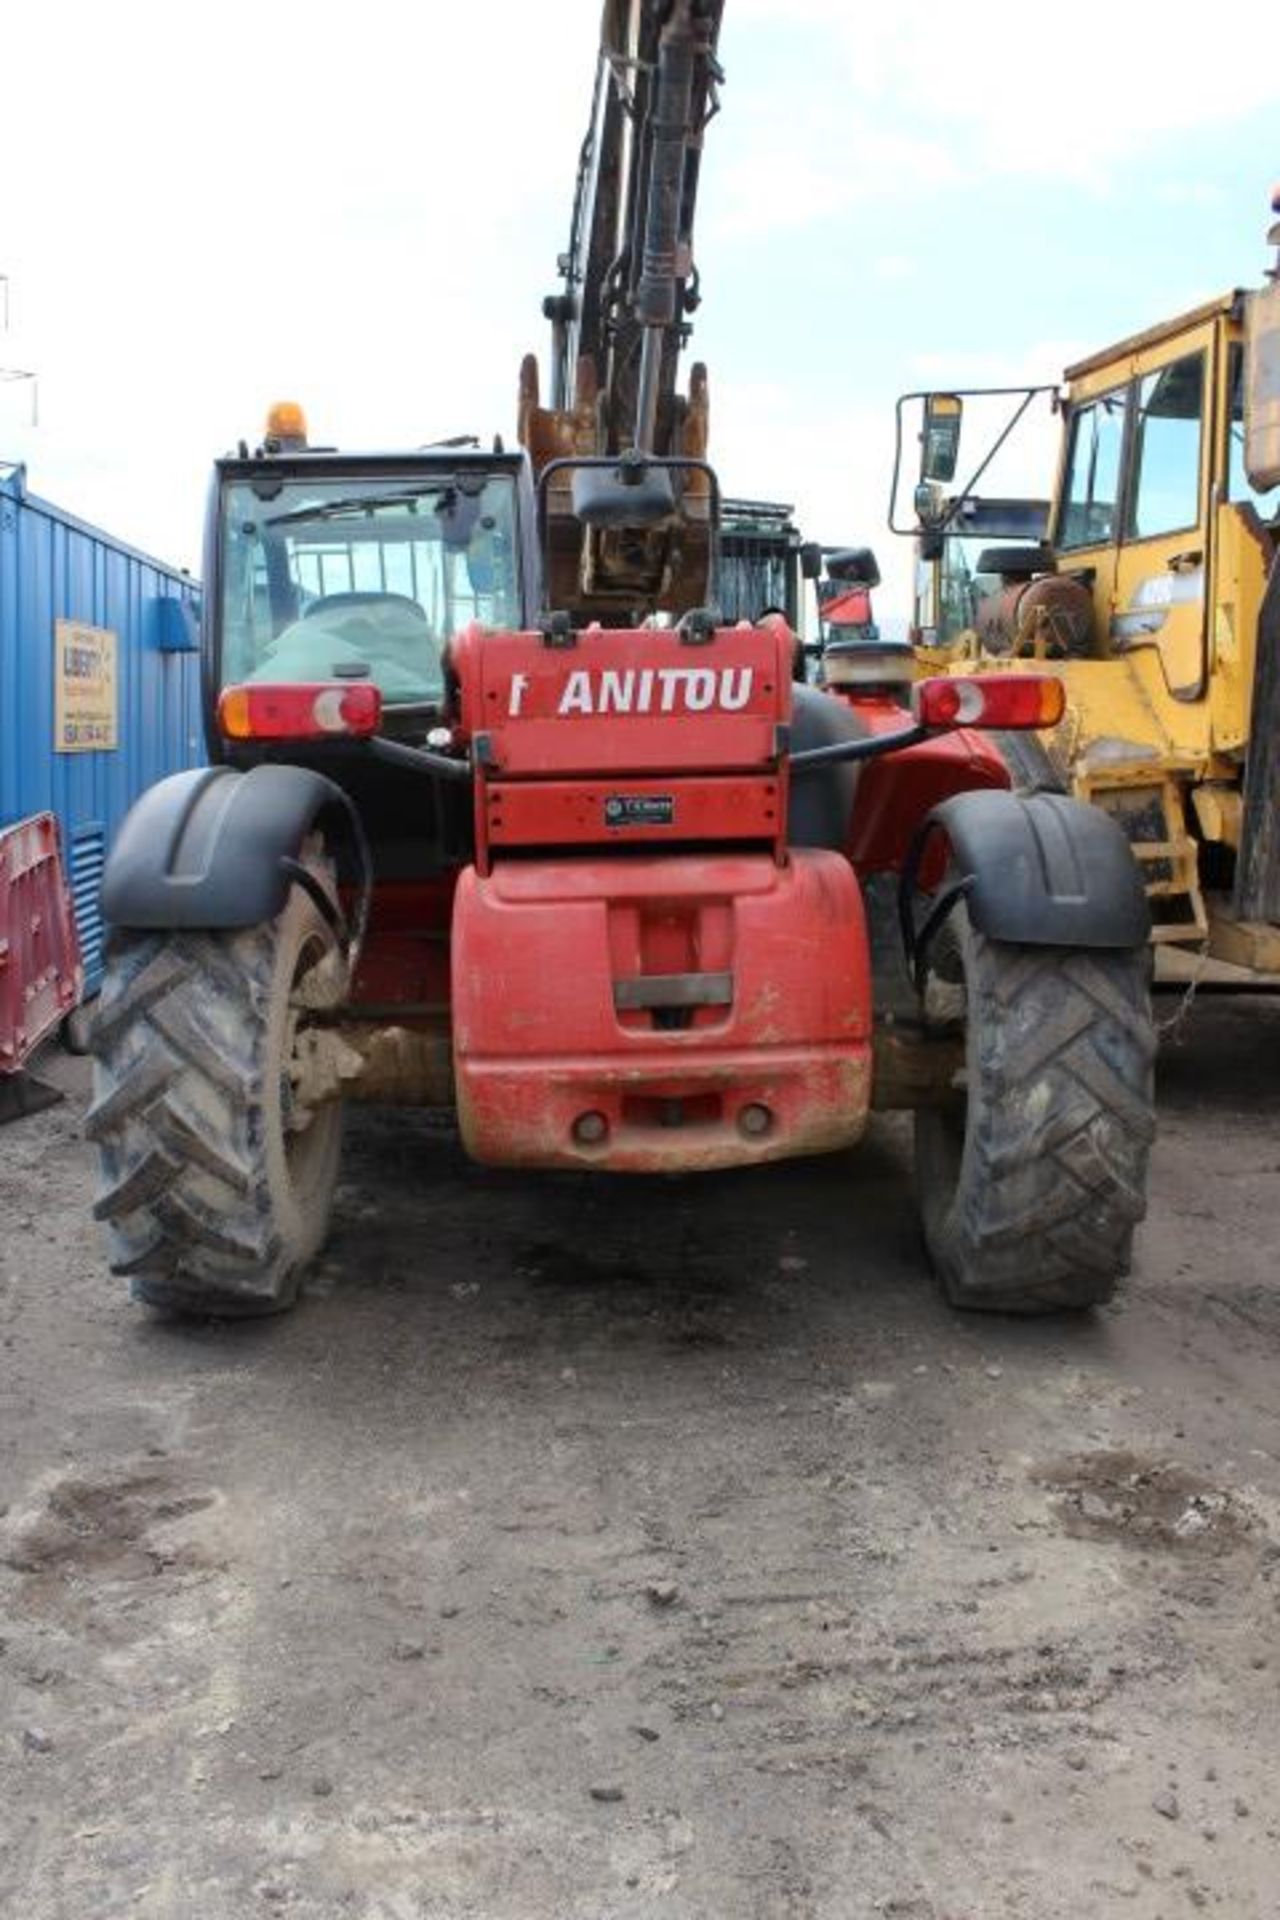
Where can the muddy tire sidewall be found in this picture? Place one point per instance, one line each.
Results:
(300, 1178)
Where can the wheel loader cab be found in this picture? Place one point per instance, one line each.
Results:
(1152, 513)
(1155, 510)
(1158, 603)
(1134, 501)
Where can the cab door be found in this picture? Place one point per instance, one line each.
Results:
(1162, 556)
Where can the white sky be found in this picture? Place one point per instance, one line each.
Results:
(204, 208)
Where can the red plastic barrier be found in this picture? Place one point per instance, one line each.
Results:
(41, 977)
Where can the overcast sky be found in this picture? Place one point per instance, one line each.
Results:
(205, 208)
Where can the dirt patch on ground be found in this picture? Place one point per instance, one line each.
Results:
(1118, 1496)
(110, 1526)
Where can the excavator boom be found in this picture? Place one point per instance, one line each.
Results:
(620, 320)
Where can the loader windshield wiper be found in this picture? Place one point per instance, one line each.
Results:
(362, 503)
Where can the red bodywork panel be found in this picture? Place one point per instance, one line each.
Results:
(625, 735)
(896, 791)
(643, 976)
(549, 955)
(404, 961)
(566, 813)
(41, 978)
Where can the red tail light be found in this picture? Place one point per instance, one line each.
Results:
(318, 710)
(1009, 700)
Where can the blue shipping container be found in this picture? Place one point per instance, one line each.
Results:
(99, 684)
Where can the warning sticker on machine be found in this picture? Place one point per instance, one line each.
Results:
(639, 810)
(85, 696)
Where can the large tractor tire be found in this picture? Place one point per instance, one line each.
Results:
(216, 1182)
(1032, 1180)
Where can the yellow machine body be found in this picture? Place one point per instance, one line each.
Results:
(1154, 515)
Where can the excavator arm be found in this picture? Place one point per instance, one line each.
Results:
(620, 320)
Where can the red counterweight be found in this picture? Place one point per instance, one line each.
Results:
(644, 977)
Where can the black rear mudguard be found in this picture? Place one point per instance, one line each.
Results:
(1035, 869)
(215, 848)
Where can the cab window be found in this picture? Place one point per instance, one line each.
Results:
(363, 576)
(926, 600)
(1164, 496)
(1092, 492)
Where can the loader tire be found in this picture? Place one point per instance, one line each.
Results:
(1032, 1180)
(215, 1185)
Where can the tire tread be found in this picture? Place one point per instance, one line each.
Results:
(178, 1120)
(1060, 1123)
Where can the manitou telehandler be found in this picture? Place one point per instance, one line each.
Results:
(503, 816)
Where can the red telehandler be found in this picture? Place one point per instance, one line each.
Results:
(501, 815)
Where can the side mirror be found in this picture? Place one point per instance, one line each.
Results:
(940, 441)
(811, 560)
(854, 566)
(930, 503)
(458, 513)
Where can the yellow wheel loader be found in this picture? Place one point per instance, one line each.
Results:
(1155, 595)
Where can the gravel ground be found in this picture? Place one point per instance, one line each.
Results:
(582, 1550)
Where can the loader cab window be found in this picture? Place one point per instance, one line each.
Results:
(949, 591)
(1164, 494)
(963, 588)
(1092, 492)
(364, 577)
(926, 602)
